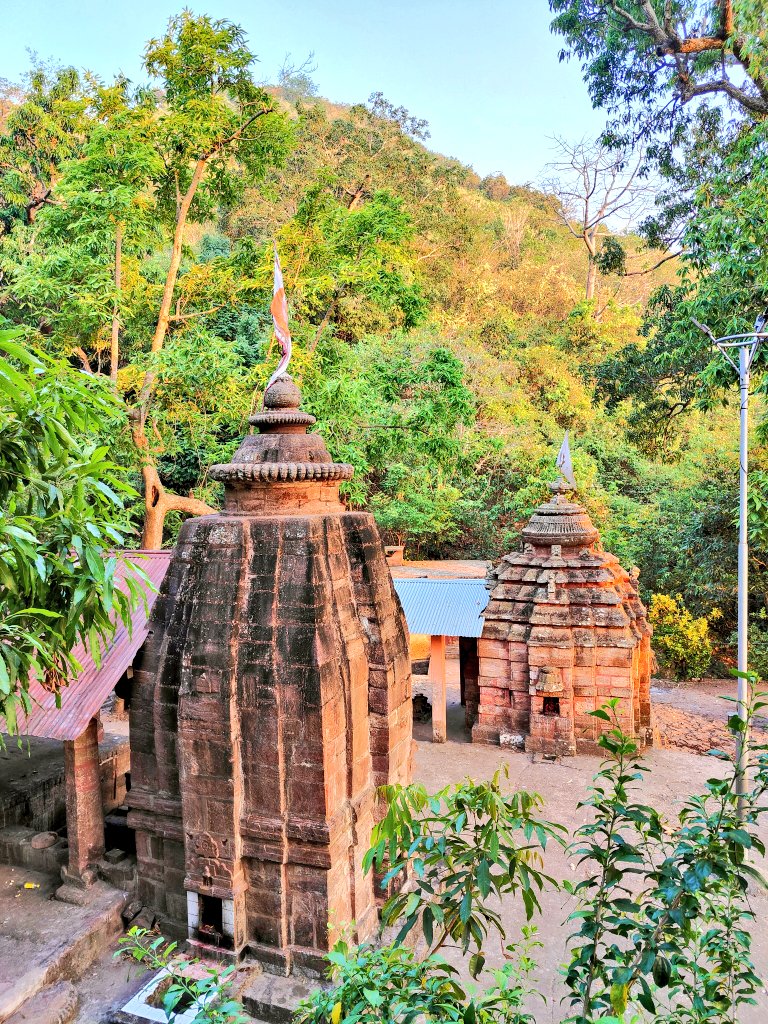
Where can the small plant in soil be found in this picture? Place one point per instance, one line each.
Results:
(206, 988)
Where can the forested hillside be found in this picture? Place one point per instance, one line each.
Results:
(442, 335)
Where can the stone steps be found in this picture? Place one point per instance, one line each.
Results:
(54, 1005)
(84, 934)
(275, 999)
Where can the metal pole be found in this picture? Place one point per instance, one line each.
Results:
(747, 343)
(742, 748)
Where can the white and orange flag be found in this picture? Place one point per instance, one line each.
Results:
(279, 310)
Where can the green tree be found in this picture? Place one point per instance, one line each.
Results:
(69, 278)
(682, 642)
(217, 130)
(647, 62)
(663, 913)
(351, 265)
(148, 164)
(40, 133)
(61, 512)
(691, 81)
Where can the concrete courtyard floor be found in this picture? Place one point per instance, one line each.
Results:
(674, 774)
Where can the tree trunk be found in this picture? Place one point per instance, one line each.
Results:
(157, 501)
(323, 325)
(114, 347)
(591, 280)
(164, 316)
(591, 285)
(356, 197)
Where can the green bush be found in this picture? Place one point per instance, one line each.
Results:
(681, 642)
(758, 644)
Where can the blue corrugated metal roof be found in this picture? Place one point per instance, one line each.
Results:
(443, 607)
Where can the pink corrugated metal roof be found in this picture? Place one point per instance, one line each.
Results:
(81, 700)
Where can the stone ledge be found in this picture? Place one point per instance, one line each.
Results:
(275, 999)
(279, 472)
(54, 1005)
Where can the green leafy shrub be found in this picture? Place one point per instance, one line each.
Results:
(758, 644)
(682, 643)
(662, 915)
(390, 984)
(465, 848)
(470, 845)
(61, 496)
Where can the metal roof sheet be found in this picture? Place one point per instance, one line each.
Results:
(446, 607)
(85, 694)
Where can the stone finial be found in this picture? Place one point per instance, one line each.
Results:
(284, 394)
(281, 451)
(560, 488)
(560, 522)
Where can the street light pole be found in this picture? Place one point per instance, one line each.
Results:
(746, 345)
(742, 752)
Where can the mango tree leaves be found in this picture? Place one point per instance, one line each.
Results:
(61, 511)
(467, 846)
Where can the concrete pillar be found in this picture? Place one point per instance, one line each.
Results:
(437, 674)
(85, 817)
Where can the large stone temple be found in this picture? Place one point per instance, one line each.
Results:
(272, 697)
(564, 633)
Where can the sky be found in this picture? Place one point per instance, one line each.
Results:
(483, 73)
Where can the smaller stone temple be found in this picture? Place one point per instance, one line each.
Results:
(564, 632)
(272, 697)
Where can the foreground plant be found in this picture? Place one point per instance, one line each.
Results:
(464, 848)
(467, 847)
(208, 993)
(390, 984)
(62, 511)
(663, 915)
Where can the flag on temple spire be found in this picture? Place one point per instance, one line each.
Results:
(279, 309)
(564, 463)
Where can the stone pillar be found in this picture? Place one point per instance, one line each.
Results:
(85, 817)
(437, 676)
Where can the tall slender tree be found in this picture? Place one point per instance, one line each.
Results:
(216, 131)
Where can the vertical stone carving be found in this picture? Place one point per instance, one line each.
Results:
(272, 696)
(564, 632)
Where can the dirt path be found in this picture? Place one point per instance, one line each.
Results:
(693, 715)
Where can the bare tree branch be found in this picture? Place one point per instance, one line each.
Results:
(596, 185)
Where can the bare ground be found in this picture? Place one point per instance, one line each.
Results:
(693, 715)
